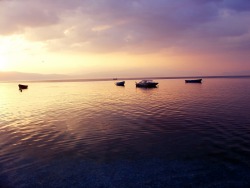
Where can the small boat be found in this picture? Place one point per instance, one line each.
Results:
(146, 84)
(21, 86)
(193, 81)
(120, 83)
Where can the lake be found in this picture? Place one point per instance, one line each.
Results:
(96, 134)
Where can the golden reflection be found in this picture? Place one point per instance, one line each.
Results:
(3, 63)
(50, 103)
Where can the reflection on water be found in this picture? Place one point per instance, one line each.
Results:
(96, 134)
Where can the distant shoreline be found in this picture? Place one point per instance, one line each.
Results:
(133, 78)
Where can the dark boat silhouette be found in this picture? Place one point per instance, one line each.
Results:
(120, 83)
(146, 84)
(21, 86)
(193, 81)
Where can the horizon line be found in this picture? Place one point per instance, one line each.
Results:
(126, 78)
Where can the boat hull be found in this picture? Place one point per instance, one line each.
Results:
(147, 85)
(120, 83)
(21, 86)
(193, 81)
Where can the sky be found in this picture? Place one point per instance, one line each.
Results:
(132, 38)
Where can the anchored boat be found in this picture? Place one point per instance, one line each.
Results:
(21, 86)
(146, 84)
(122, 83)
(193, 81)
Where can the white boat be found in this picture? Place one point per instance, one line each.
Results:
(146, 84)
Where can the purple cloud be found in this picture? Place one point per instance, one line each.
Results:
(16, 15)
(133, 26)
(238, 5)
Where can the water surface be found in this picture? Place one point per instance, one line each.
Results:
(96, 134)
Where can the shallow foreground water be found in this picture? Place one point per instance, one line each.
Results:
(96, 134)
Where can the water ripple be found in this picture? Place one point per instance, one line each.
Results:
(100, 122)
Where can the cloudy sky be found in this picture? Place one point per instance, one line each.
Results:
(100, 38)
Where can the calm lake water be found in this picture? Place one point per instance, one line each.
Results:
(96, 134)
